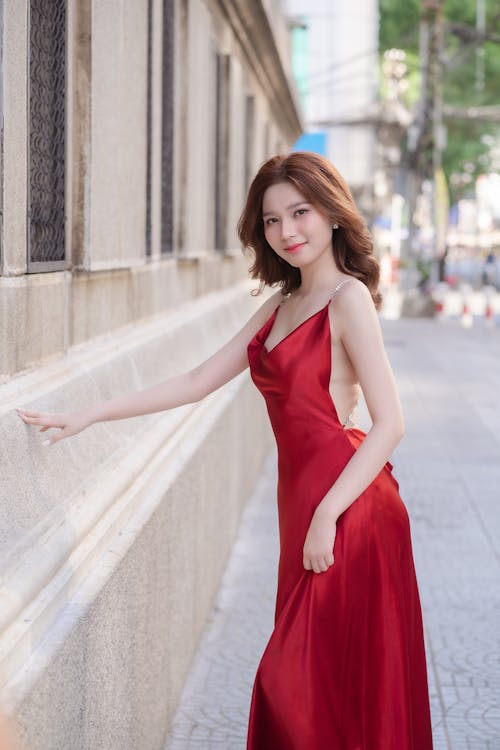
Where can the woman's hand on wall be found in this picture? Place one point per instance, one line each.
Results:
(69, 423)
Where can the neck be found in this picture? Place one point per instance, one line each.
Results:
(322, 273)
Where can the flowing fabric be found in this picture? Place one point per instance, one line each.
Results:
(345, 666)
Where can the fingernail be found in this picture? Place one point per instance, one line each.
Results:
(46, 442)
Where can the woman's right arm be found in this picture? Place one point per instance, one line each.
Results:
(182, 389)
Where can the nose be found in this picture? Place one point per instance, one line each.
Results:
(287, 228)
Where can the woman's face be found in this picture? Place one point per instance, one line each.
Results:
(293, 226)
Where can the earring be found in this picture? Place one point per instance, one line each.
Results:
(335, 226)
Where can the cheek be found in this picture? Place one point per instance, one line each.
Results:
(319, 231)
(270, 233)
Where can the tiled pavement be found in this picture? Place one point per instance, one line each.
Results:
(448, 468)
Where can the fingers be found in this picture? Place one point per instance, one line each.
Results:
(34, 420)
(54, 439)
(44, 419)
(318, 565)
(25, 413)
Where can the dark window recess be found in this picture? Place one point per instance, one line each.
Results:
(266, 141)
(222, 108)
(1, 136)
(149, 74)
(249, 140)
(167, 128)
(47, 135)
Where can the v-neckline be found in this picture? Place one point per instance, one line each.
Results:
(273, 319)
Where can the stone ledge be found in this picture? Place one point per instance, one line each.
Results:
(109, 673)
(43, 316)
(53, 505)
(54, 565)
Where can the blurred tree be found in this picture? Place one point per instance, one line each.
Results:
(468, 150)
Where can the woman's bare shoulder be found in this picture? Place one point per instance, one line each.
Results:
(351, 285)
(268, 307)
(353, 304)
(351, 293)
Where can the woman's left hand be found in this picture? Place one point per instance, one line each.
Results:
(320, 538)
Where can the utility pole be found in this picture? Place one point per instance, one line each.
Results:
(439, 189)
(429, 138)
(481, 30)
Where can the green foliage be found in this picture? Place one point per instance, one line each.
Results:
(399, 23)
(399, 27)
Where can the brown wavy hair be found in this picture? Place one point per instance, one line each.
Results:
(323, 186)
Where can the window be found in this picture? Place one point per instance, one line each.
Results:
(47, 135)
(222, 83)
(249, 140)
(167, 128)
(149, 74)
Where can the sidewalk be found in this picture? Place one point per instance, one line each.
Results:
(449, 473)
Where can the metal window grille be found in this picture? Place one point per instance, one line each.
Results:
(222, 82)
(149, 126)
(249, 139)
(167, 128)
(1, 135)
(266, 140)
(47, 135)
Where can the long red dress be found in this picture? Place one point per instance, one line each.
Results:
(345, 666)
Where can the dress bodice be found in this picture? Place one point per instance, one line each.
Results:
(294, 376)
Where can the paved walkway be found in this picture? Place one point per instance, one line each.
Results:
(448, 469)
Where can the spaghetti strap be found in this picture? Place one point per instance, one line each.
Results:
(344, 281)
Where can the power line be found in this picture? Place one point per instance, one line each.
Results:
(343, 81)
(335, 66)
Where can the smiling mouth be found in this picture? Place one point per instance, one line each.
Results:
(293, 248)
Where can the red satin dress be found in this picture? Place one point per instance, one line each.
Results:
(345, 666)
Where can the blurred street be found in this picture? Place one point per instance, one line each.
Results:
(471, 307)
(449, 474)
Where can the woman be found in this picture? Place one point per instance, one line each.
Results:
(345, 666)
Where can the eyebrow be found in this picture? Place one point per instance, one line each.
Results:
(293, 205)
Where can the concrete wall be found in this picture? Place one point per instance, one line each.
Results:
(112, 543)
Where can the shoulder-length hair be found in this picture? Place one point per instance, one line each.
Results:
(322, 185)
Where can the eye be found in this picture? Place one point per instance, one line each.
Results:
(270, 221)
(301, 211)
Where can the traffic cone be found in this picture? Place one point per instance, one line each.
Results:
(489, 318)
(467, 319)
(438, 309)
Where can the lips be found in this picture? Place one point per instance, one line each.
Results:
(294, 248)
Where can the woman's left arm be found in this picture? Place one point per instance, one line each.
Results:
(358, 326)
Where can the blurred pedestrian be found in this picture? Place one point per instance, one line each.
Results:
(489, 270)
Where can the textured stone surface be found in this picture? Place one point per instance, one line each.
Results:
(108, 672)
(449, 474)
(116, 599)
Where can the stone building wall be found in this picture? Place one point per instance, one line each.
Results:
(120, 267)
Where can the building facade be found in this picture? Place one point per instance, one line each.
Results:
(336, 64)
(130, 132)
